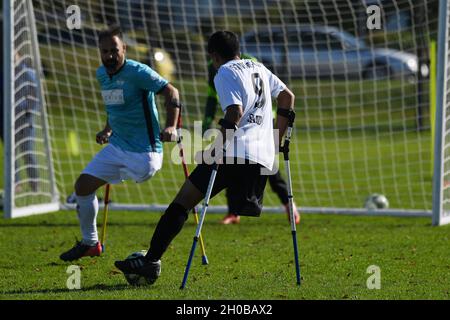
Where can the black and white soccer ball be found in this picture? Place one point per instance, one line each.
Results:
(376, 201)
(135, 279)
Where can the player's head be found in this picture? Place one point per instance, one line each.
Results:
(112, 48)
(223, 46)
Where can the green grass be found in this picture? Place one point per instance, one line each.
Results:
(351, 139)
(253, 260)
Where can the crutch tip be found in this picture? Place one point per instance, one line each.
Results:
(205, 260)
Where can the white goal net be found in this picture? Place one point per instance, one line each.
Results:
(360, 71)
(29, 176)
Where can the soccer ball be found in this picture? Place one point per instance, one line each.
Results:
(376, 201)
(135, 279)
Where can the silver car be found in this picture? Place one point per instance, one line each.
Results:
(303, 51)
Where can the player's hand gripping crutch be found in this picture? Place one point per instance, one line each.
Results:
(186, 175)
(285, 150)
(105, 216)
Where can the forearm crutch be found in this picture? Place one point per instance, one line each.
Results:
(186, 175)
(105, 216)
(285, 150)
(202, 217)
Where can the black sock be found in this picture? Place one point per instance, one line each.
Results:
(168, 227)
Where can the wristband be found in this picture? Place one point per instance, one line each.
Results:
(286, 113)
(175, 104)
(228, 124)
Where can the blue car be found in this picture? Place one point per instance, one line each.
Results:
(307, 51)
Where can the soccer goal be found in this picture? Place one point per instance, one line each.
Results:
(370, 79)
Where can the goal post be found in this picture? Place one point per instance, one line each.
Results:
(8, 101)
(358, 70)
(441, 177)
(30, 186)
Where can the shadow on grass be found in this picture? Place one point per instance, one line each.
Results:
(77, 225)
(53, 225)
(97, 287)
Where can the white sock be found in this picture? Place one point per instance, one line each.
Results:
(87, 214)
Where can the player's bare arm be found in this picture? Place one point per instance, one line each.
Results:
(285, 100)
(229, 122)
(232, 116)
(172, 104)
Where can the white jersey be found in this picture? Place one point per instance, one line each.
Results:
(251, 85)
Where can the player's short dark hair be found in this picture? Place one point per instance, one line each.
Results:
(224, 43)
(112, 31)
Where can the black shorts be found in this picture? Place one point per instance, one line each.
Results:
(244, 182)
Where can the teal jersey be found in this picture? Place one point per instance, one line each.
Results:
(129, 97)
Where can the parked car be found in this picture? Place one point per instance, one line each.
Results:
(303, 51)
(138, 49)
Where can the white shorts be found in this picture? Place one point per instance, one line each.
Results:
(115, 165)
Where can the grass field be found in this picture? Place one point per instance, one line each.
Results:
(352, 138)
(253, 260)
